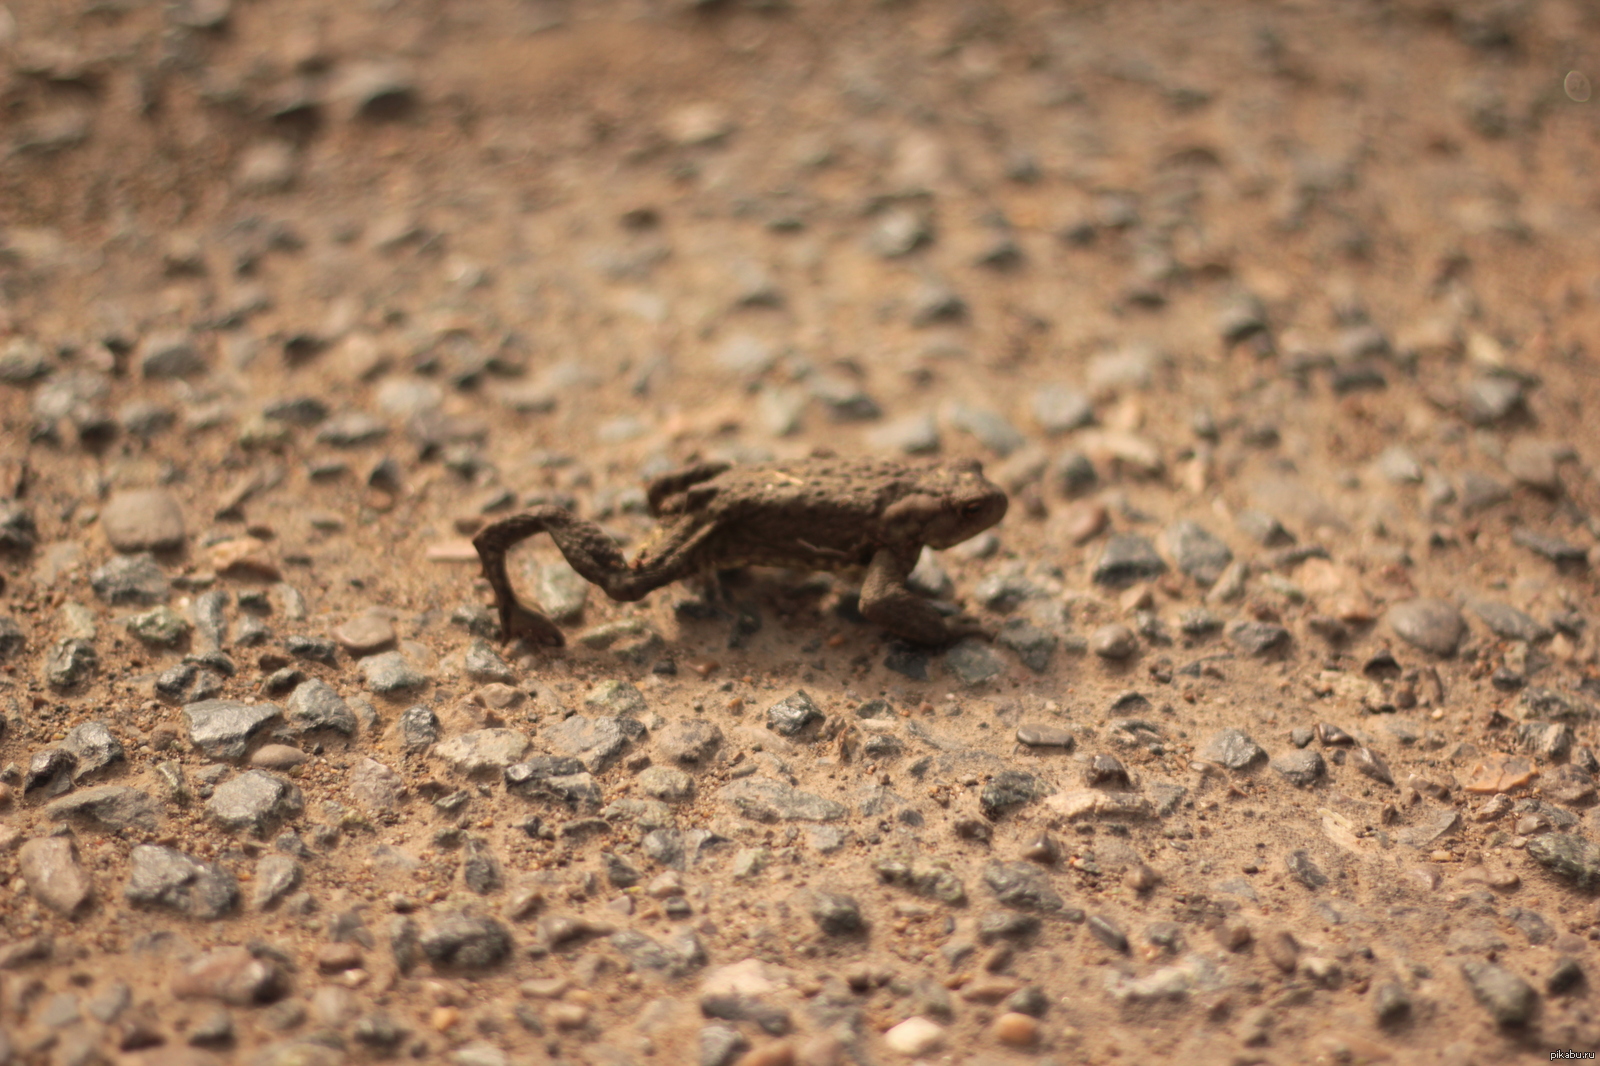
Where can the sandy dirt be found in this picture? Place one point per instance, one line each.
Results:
(1277, 321)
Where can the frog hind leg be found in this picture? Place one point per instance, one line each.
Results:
(660, 490)
(588, 550)
(886, 601)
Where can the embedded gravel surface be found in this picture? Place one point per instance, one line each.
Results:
(1276, 321)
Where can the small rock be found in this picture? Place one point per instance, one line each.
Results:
(254, 800)
(763, 799)
(112, 808)
(419, 727)
(1127, 558)
(1113, 641)
(483, 664)
(484, 750)
(1196, 552)
(1490, 399)
(915, 1037)
(1509, 999)
(1555, 549)
(837, 915)
(315, 705)
(1045, 736)
(366, 634)
(140, 520)
(276, 877)
(1022, 885)
(233, 976)
(223, 729)
(597, 743)
(130, 580)
(1499, 772)
(1300, 768)
(689, 741)
(790, 716)
(161, 626)
(973, 662)
(171, 355)
(1257, 638)
(1304, 869)
(53, 874)
(1015, 1029)
(1569, 855)
(1508, 622)
(1433, 625)
(94, 747)
(1059, 409)
(1233, 749)
(163, 877)
(466, 943)
(1371, 764)
(390, 672)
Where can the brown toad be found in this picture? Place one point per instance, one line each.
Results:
(812, 514)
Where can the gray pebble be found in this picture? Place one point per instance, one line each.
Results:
(1300, 768)
(1033, 645)
(23, 359)
(1372, 765)
(933, 303)
(790, 716)
(224, 728)
(1023, 886)
(130, 579)
(916, 434)
(1480, 492)
(1509, 999)
(390, 672)
(763, 799)
(1127, 558)
(1304, 869)
(484, 664)
(597, 743)
(1196, 552)
(492, 750)
(720, 1045)
(111, 808)
(690, 741)
(1433, 625)
(990, 428)
(844, 399)
(276, 876)
(1569, 854)
(50, 867)
(419, 727)
(163, 877)
(352, 429)
(137, 520)
(1508, 622)
(1045, 736)
(973, 661)
(1490, 399)
(1073, 473)
(1061, 409)
(1553, 548)
(466, 942)
(1008, 790)
(1257, 638)
(94, 746)
(1398, 466)
(254, 800)
(1233, 749)
(70, 661)
(620, 698)
(1113, 641)
(837, 915)
(18, 533)
(1108, 933)
(160, 625)
(666, 783)
(171, 355)
(561, 591)
(12, 638)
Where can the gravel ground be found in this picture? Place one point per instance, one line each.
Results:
(1276, 321)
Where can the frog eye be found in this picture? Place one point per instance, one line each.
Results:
(972, 510)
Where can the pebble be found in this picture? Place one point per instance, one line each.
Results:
(1432, 625)
(666, 783)
(1489, 399)
(1509, 999)
(18, 534)
(1508, 622)
(13, 639)
(94, 747)
(485, 750)
(789, 716)
(374, 785)
(914, 1037)
(275, 877)
(366, 634)
(561, 591)
(161, 626)
(1257, 638)
(1113, 641)
(1480, 493)
(1073, 473)
(762, 799)
(1059, 409)
(1196, 551)
(597, 743)
(314, 705)
(419, 727)
(1023, 886)
(1015, 1029)
(1569, 855)
(164, 877)
(391, 673)
(111, 808)
(914, 434)
(171, 355)
(1300, 768)
(141, 520)
(130, 580)
(973, 662)
(52, 872)
(837, 915)
(223, 729)
(465, 942)
(1233, 749)
(1372, 765)
(693, 740)
(232, 975)
(255, 801)
(1127, 558)
(1305, 869)
(1555, 549)
(1083, 520)
(1045, 736)
(1499, 772)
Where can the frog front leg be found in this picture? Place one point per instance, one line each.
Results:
(888, 602)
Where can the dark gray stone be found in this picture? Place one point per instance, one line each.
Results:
(1568, 854)
(70, 661)
(1257, 638)
(790, 715)
(1031, 644)
(1022, 885)
(483, 664)
(480, 868)
(1233, 749)
(1508, 622)
(130, 580)
(1557, 705)
(836, 914)
(111, 808)
(924, 878)
(164, 877)
(1196, 552)
(1127, 558)
(1108, 933)
(223, 729)
(720, 1045)
(763, 799)
(1300, 768)
(1010, 789)
(973, 662)
(94, 747)
(18, 534)
(12, 638)
(315, 705)
(1305, 869)
(1509, 999)
(1372, 765)
(466, 943)
(1553, 548)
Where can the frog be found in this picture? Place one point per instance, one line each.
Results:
(862, 516)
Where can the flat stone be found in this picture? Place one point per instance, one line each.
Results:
(973, 662)
(160, 625)
(223, 729)
(374, 785)
(419, 727)
(234, 976)
(1078, 804)
(1008, 790)
(70, 661)
(53, 874)
(254, 800)
(1480, 492)
(1197, 552)
(1555, 704)
(692, 740)
(790, 715)
(1303, 868)
(1509, 999)
(1568, 854)
(277, 875)
(763, 799)
(1500, 772)
(1127, 558)
(1300, 768)
(486, 666)
(366, 634)
(1508, 622)
(163, 877)
(1257, 638)
(315, 705)
(143, 520)
(111, 808)
(390, 672)
(561, 591)
(595, 742)
(484, 750)
(12, 638)
(1553, 548)
(915, 1037)
(466, 943)
(666, 783)
(130, 580)
(1022, 885)
(171, 355)
(1372, 765)
(1045, 736)
(1232, 748)
(1435, 626)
